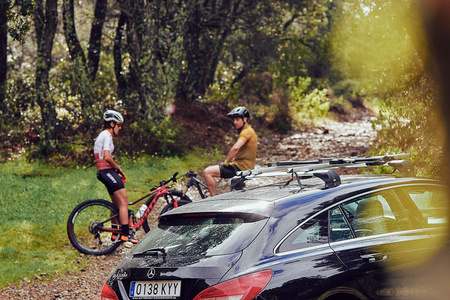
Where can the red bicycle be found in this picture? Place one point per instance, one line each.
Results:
(90, 224)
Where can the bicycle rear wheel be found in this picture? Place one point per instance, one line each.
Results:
(182, 200)
(86, 227)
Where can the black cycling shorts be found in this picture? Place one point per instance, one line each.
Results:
(228, 171)
(111, 179)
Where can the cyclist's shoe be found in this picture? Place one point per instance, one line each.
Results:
(129, 240)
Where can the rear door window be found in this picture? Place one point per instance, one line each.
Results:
(339, 228)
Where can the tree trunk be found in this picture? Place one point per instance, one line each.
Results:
(117, 52)
(4, 7)
(73, 44)
(81, 75)
(95, 41)
(45, 21)
(207, 27)
(143, 46)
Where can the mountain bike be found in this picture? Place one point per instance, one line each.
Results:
(90, 226)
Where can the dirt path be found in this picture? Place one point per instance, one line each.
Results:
(332, 139)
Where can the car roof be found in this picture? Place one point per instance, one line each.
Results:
(261, 200)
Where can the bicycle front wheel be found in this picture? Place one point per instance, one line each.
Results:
(88, 224)
(181, 200)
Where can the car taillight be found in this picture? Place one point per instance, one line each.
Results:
(108, 293)
(241, 288)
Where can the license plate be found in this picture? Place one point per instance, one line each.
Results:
(155, 289)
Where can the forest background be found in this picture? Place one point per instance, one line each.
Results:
(174, 68)
(292, 63)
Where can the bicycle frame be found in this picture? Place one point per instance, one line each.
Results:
(162, 190)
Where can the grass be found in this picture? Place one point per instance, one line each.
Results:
(36, 200)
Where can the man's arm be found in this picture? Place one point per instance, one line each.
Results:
(234, 150)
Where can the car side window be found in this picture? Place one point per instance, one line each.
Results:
(339, 228)
(313, 232)
(432, 203)
(376, 213)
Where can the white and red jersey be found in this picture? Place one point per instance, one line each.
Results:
(103, 142)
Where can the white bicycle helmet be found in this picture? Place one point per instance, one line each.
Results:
(112, 115)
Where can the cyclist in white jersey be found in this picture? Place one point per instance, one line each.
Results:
(110, 174)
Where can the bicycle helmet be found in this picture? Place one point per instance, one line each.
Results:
(239, 112)
(112, 115)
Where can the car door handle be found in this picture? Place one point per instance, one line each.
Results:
(374, 257)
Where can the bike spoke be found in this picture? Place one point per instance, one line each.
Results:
(88, 227)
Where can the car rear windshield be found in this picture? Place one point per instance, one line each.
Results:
(203, 234)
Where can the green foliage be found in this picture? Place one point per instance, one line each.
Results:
(19, 17)
(278, 114)
(379, 52)
(19, 122)
(163, 137)
(377, 42)
(245, 51)
(310, 105)
(276, 57)
(218, 92)
(409, 121)
(305, 48)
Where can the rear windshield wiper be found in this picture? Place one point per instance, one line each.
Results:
(152, 252)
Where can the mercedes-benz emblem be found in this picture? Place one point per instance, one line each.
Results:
(151, 273)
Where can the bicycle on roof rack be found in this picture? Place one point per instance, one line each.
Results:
(323, 168)
(90, 225)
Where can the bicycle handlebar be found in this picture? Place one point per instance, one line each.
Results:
(174, 177)
(164, 182)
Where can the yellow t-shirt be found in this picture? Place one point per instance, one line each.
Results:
(246, 156)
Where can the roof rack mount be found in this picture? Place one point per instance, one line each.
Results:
(306, 169)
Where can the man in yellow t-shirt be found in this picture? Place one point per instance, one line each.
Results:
(243, 151)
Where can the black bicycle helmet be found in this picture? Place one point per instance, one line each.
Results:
(239, 112)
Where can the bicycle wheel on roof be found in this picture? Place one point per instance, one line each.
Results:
(88, 227)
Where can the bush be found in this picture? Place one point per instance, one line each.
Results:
(310, 105)
(409, 121)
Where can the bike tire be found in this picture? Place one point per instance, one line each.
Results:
(182, 200)
(83, 233)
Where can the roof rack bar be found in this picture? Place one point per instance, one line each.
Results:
(292, 163)
(307, 167)
(322, 168)
(384, 158)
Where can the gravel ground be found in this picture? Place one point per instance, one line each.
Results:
(330, 140)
